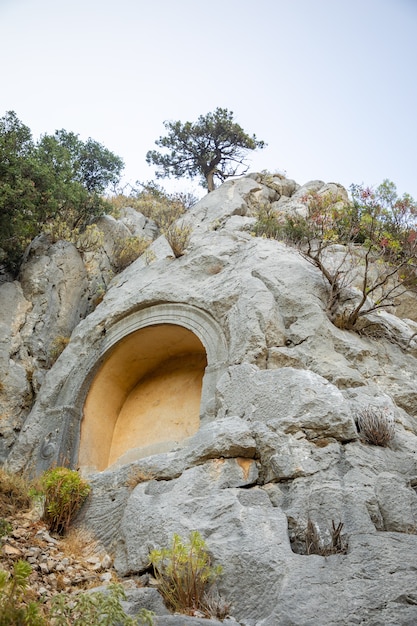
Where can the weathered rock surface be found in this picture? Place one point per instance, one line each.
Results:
(277, 444)
(57, 287)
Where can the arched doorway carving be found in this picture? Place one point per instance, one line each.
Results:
(156, 377)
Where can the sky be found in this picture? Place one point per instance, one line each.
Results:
(330, 85)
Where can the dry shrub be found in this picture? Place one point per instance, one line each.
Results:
(217, 607)
(215, 269)
(14, 493)
(137, 476)
(375, 425)
(57, 347)
(155, 203)
(178, 237)
(90, 239)
(79, 543)
(314, 545)
(128, 249)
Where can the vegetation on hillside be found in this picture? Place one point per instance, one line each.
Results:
(58, 178)
(214, 146)
(377, 237)
(153, 202)
(185, 577)
(60, 492)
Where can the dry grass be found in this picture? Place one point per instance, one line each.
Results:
(137, 476)
(314, 545)
(375, 425)
(14, 493)
(79, 543)
(128, 249)
(215, 269)
(178, 237)
(57, 347)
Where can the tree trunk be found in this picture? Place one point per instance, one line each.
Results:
(210, 181)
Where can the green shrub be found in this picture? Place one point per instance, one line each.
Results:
(64, 491)
(185, 574)
(375, 425)
(268, 224)
(95, 608)
(5, 527)
(14, 611)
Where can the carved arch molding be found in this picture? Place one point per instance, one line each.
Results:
(147, 387)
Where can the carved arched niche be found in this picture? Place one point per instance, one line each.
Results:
(157, 376)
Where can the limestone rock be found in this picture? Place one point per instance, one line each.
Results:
(53, 277)
(275, 448)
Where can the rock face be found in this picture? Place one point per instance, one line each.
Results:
(58, 286)
(277, 450)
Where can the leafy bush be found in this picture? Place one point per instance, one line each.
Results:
(185, 574)
(14, 611)
(267, 222)
(95, 608)
(375, 425)
(379, 233)
(55, 184)
(64, 491)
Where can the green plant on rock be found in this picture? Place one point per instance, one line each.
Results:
(5, 527)
(185, 574)
(96, 608)
(366, 249)
(14, 610)
(64, 491)
(268, 223)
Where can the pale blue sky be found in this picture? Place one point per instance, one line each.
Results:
(330, 85)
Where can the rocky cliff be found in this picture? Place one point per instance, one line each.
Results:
(269, 457)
